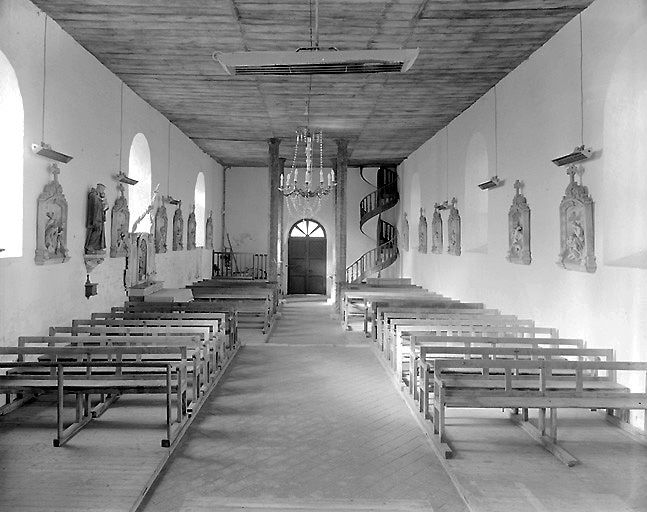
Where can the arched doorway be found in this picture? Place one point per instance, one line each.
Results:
(307, 258)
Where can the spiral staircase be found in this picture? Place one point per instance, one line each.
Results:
(373, 205)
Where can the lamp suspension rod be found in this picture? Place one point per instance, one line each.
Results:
(581, 83)
(44, 77)
(496, 137)
(168, 177)
(121, 127)
(317, 24)
(447, 163)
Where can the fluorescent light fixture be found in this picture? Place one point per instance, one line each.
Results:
(442, 206)
(579, 153)
(493, 182)
(46, 150)
(122, 178)
(171, 200)
(316, 62)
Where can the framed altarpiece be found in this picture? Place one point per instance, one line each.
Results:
(577, 233)
(51, 223)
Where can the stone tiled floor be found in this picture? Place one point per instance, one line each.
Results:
(305, 425)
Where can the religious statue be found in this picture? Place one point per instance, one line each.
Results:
(577, 240)
(454, 229)
(422, 232)
(405, 232)
(208, 233)
(436, 231)
(178, 229)
(142, 260)
(190, 238)
(120, 219)
(51, 223)
(160, 230)
(95, 237)
(519, 228)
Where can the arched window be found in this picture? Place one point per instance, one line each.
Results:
(307, 228)
(200, 200)
(139, 168)
(12, 128)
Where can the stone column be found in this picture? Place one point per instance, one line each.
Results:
(341, 165)
(276, 201)
(280, 266)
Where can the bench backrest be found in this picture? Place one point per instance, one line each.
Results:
(131, 331)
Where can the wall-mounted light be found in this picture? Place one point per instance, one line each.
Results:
(493, 182)
(579, 154)
(122, 178)
(90, 288)
(46, 150)
(171, 200)
(442, 206)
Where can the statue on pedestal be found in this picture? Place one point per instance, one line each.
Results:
(95, 237)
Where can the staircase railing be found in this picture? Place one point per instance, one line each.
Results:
(372, 205)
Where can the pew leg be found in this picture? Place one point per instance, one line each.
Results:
(524, 413)
(541, 422)
(167, 442)
(552, 431)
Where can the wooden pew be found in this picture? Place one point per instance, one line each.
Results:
(535, 388)
(198, 352)
(436, 302)
(426, 348)
(386, 314)
(228, 321)
(86, 377)
(399, 346)
(217, 336)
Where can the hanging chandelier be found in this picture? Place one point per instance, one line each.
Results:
(291, 187)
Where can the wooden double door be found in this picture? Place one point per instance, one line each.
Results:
(307, 259)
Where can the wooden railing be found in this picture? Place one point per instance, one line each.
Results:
(375, 259)
(239, 264)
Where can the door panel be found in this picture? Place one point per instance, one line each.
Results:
(306, 265)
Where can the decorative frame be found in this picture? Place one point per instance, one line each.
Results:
(436, 231)
(577, 233)
(178, 229)
(519, 228)
(422, 232)
(454, 229)
(208, 232)
(190, 230)
(119, 221)
(51, 223)
(160, 229)
(405, 232)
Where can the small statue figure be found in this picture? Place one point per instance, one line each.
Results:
(95, 238)
(208, 233)
(190, 239)
(178, 229)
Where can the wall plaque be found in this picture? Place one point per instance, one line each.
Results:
(577, 234)
(454, 229)
(519, 228)
(422, 232)
(51, 223)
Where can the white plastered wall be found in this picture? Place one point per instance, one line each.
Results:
(538, 111)
(82, 118)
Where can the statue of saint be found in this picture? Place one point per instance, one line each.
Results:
(95, 238)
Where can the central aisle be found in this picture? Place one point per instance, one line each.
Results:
(309, 421)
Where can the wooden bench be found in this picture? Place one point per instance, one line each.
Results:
(198, 352)
(425, 348)
(538, 387)
(386, 314)
(217, 336)
(398, 349)
(430, 303)
(228, 321)
(87, 377)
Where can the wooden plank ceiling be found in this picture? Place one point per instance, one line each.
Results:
(162, 50)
